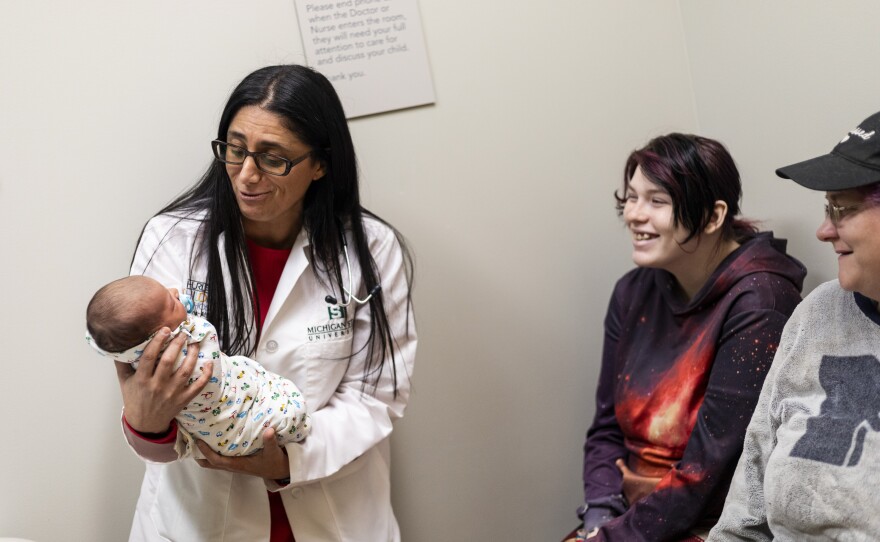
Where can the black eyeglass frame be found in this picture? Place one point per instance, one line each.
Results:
(288, 164)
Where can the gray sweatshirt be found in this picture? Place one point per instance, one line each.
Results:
(810, 468)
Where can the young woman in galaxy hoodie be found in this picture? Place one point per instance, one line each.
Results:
(689, 336)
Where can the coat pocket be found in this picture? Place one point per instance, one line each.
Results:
(191, 503)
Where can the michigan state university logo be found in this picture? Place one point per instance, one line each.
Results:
(338, 325)
(851, 408)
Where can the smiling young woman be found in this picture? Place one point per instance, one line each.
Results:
(659, 241)
(689, 335)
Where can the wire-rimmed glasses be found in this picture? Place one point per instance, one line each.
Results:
(837, 213)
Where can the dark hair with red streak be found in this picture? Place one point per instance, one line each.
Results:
(696, 172)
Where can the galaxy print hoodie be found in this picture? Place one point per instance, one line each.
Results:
(678, 385)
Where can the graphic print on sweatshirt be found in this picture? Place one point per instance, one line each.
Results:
(851, 408)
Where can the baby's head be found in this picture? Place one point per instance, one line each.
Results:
(127, 311)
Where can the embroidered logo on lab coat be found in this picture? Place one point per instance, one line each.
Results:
(338, 325)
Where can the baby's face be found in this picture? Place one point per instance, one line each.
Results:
(167, 304)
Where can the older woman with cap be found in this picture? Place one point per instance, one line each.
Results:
(811, 460)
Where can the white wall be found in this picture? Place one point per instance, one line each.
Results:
(503, 188)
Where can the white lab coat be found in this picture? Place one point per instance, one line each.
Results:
(340, 482)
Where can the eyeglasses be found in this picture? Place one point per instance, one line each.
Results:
(836, 214)
(266, 162)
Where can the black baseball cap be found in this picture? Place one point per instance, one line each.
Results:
(854, 162)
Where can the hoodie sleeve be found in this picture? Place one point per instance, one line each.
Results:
(604, 442)
(745, 515)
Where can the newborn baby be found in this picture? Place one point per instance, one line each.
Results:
(241, 400)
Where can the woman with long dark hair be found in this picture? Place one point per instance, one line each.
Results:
(278, 253)
(689, 336)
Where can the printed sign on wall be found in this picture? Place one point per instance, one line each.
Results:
(373, 52)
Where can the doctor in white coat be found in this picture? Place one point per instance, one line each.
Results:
(273, 245)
